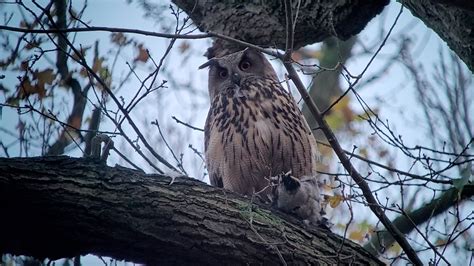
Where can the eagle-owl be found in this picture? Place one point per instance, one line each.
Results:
(255, 132)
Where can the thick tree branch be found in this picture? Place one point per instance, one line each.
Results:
(380, 241)
(453, 21)
(62, 207)
(265, 23)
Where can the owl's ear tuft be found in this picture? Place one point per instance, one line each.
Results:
(250, 51)
(211, 62)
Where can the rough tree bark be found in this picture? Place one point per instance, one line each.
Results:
(453, 21)
(263, 22)
(59, 207)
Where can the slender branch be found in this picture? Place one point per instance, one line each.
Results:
(424, 237)
(186, 124)
(82, 61)
(107, 29)
(209, 34)
(289, 28)
(373, 205)
(391, 169)
(246, 44)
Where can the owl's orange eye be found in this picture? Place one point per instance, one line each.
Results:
(223, 73)
(245, 65)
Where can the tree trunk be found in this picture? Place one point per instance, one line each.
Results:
(264, 23)
(55, 207)
(452, 21)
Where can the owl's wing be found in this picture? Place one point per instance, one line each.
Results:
(235, 158)
(293, 146)
(213, 170)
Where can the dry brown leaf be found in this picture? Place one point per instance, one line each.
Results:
(32, 44)
(46, 76)
(184, 46)
(26, 89)
(97, 66)
(142, 54)
(83, 72)
(24, 65)
(82, 52)
(119, 38)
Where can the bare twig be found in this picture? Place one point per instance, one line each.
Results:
(391, 169)
(374, 206)
(186, 124)
(180, 162)
(424, 237)
(107, 29)
(82, 61)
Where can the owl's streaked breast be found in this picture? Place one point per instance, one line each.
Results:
(255, 135)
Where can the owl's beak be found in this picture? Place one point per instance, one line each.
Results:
(235, 79)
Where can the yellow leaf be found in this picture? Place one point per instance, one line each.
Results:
(365, 116)
(395, 248)
(335, 120)
(343, 108)
(357, 235)
(364, 152)
(317, 54)
(335, 200)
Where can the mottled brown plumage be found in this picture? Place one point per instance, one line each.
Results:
(255, 131)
